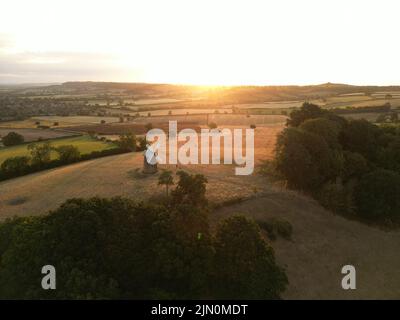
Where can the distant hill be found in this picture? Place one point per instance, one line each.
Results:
(230, 94)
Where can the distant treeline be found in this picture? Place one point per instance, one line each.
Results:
(382, 108)
(20, 166)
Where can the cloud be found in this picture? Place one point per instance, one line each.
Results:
(26, 67)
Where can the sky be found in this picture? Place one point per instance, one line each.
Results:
(205, 42)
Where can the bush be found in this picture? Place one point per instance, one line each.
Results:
(327, 129)
(336, 197)
(378, 195)
(68, 153)
(277, 226)
(190, 189)
(305, 159)
(12, 139)
(362, 137)
(15, 166)
(306, 112)
(389, 157)
(354, 166)
(245, 264)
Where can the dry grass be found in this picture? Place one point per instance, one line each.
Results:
(322, 243)
(35, 134)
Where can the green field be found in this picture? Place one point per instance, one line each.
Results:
(85, 144)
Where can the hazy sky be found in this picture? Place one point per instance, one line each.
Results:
(202, 42)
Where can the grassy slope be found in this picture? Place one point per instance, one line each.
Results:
(85, 145)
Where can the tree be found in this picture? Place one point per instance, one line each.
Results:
(107, 249)
(307, 111)
(389, 158)
(15, 165)
(166, 179)
(127, 141)
(142, 143)
(190, 189)
(354, 166)
(68, 153)
(363, 137)
(377, 195)
(325, 128)
(245, 266)
(40, 153)
(12, 139)
(305, 159)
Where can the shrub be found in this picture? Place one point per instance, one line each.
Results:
(190, 189)
(245, 264)
(68, 153)
(127, 142)
(354, 166)
(15, 166)
(307, 111)
(389, 158)
(40, 153)
(305, 159)
(378, 195)
(362, 137)
(277, 226)
(336, 197)
(325, 128)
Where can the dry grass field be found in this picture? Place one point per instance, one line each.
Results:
(35, 134)
(322, 243)
(62, 121)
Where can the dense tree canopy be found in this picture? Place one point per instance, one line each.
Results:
(378, 194)
(306, 112)
(341, 162)
(305, 159)
(117, 248)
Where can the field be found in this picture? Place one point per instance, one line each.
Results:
(74, 120)
(85, 144)
(322, 242)
(35, 134)
(62, 121)
(220, 119)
